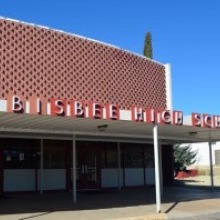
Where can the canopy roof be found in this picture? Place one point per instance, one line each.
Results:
(57, 127)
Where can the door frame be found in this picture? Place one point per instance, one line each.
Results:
(83, 150)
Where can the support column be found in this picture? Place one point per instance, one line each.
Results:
(211, 165)
(157, 168)
(161, 168)
(168, 86)
(41, 166)
(119, 166)
(74, 168)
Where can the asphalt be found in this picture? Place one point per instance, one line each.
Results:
(135, 203)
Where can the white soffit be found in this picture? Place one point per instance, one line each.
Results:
(123, 128)
(35, 124)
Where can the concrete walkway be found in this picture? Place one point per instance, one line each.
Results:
(177, 202)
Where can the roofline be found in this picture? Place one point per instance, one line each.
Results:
(80, 36)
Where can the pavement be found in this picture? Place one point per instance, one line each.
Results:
(199, 181)
(178, 202)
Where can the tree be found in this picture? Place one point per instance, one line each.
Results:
(148, 51)
(183, 156)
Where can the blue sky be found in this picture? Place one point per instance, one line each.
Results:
(185, 34)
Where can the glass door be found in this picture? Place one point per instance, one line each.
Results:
(88, 174)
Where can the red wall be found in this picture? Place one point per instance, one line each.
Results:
(36, 61)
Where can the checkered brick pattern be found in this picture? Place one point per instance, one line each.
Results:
(36, 61)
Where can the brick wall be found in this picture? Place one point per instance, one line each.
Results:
(36, 61)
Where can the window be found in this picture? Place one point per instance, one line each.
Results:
(54, 154)
(133, 156)
(149, 157)
(19, 153)
(109, 156)
(25, 154)
(217, 157)
(138, 156)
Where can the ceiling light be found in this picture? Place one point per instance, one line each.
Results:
(102, 127)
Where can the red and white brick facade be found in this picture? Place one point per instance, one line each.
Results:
(36, 61)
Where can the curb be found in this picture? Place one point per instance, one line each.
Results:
(161, 216)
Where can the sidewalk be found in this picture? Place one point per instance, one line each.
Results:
(138, 204)
(200, 202)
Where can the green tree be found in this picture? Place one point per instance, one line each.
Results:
(183, 156)
(148, 51)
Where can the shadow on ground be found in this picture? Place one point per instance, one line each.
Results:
(91, 200)
(194, 184)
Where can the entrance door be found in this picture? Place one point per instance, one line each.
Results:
(88, 172)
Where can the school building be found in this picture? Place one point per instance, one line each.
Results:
(78, 114)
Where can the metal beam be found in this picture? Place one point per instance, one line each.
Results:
(74, 169)
(160, 167)
(211, 165)
(157, 168)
